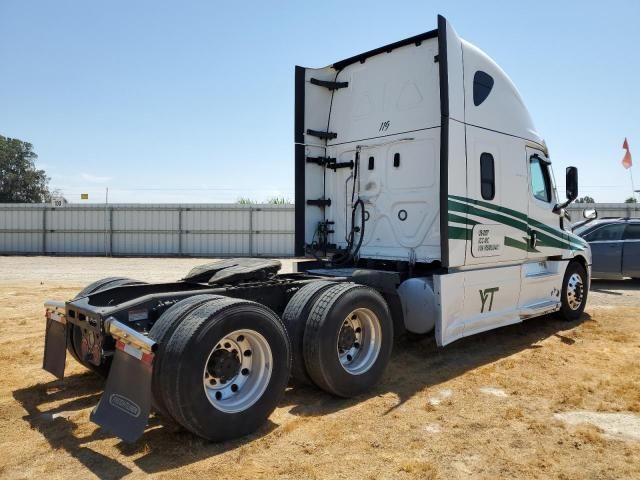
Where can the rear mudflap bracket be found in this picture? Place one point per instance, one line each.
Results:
(125, 404)
(55, 310)
(131, 341)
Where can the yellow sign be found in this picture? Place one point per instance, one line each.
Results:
(84, 196)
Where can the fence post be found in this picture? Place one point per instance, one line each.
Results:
(180, 231)
(44, 230)
(250, 230)
(111, 232)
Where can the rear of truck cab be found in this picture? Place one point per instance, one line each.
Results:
(432, 139)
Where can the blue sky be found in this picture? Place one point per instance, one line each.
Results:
(192, 101)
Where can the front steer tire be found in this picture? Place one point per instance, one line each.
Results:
(223, 326)
(348, 318)
(575, 288)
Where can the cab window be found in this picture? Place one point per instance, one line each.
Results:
(487, 177)
(540, 179)
(632, 232)
(608, 233)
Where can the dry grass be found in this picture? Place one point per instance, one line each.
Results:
(544, 366)
(419, 469)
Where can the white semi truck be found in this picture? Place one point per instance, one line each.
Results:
(425, 202)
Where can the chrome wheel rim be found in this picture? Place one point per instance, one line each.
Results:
(237, 371)
(359, 341)
(575, 291)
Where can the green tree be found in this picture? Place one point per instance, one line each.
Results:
(631, 200)
(20, 180)
(586, 199)
(278, 201)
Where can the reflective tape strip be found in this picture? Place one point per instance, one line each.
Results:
(135, 352)
(55, 316)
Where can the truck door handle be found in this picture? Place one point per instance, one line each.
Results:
(534, 239)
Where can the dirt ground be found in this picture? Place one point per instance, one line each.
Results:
(542, 399)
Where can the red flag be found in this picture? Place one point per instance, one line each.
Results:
(626, 160)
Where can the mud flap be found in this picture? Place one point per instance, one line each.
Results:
(55, 340)
(123, 409)
(55, 348)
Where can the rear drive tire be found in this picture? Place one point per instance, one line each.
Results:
(161, 333)
(295, 318)
(348, 339)
(74, 333)
(575, 288)
(225, 369)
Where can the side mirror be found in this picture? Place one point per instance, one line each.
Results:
(571, 183)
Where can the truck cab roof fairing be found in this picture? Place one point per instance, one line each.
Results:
(503, 110)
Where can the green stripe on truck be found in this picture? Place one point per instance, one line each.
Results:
(521, 222)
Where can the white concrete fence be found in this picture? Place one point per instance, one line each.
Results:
(202, 230)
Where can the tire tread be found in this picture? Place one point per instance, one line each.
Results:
(317, 316)
(161, 333)
(295, 318)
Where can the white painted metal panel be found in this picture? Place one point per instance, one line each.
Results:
(155, 230)
(20, 243)
(77, 219)
(20, 218)
(163, 218)
(138, 243)
(272, 245)
(388, 94)
(21, 228)
(76, 243)
(216, 245)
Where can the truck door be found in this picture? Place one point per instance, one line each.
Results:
(544, 235)
(541, 278)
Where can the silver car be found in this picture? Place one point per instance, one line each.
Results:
(615, 247)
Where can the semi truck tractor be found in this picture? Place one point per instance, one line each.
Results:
(424, 202)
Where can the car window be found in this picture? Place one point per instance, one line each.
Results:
(608, 233)
(632, 231)
(540, 181)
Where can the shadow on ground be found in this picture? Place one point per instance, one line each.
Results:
(416, 364)
(165, 444)
(614, 287)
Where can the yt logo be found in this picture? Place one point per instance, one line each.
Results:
(484, 296)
